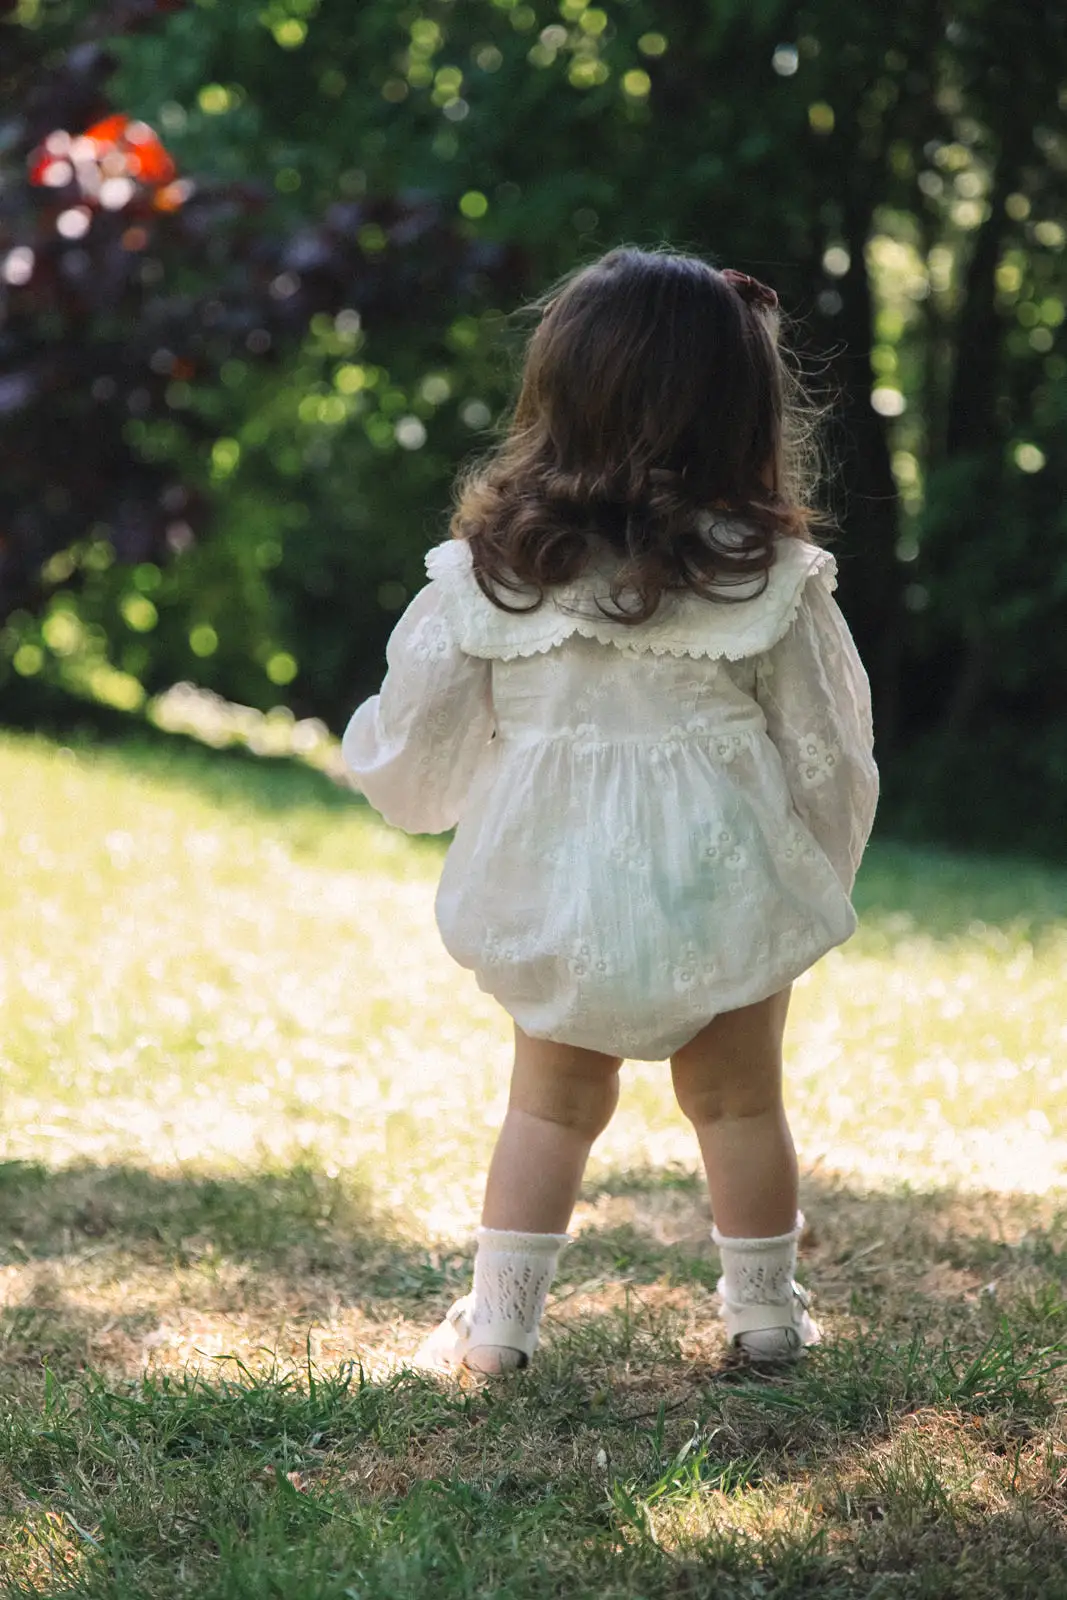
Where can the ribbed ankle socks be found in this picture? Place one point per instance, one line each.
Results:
(513, 1273)
(759, 1271)
(764, 1309)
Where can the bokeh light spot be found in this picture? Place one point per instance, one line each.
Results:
(1029, 458)
(350, 379)
(410, 433)
(887, 402)
(18, 266)
(636, 83)
(282, 668)
(139, 613)
(203, 640)
(28, 660)
(214, 99)
(74, 223)
(290, 34)
(476, 414)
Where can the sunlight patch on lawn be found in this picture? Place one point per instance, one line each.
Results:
(188, 982)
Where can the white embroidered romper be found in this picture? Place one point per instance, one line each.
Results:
(655, 823)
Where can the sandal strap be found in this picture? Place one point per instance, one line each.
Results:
(506, 1332)
(763, 1318)
(758, 1319)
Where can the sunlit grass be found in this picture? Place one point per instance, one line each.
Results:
(198, 966)
(247, 1105)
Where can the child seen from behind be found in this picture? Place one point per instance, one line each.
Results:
(628, 687)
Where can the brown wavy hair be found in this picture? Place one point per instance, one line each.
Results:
(658, 420)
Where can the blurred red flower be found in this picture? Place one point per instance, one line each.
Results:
(114, 148)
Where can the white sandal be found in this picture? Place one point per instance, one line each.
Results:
(512, 1275)
(506, 1346)
(770, 1332)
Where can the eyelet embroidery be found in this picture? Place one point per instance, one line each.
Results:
(692, 965)
(584, 962)
(797, 846)
(627, 850)
(432, 641)
(731, 860)
(817, 760)
(725, 850)
(499, 952)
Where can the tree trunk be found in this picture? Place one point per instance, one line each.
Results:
(870, 574)
(973, 430)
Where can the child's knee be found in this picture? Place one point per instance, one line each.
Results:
(582, 1103)
(706, 1095)
(733, 1067)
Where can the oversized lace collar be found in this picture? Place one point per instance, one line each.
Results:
(683, 625)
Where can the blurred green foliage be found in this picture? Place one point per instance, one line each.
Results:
(899, 174)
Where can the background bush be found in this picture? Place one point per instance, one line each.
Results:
(233, 410)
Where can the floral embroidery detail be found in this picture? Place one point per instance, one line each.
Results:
(695, 688)
(696, 728)
(817, 760)
(791, 947)
(584, 962)
(628, 1038)
(690, 967)
(797, 846)
(432, 641)
(727, 746)
(738, 888)
(628, 850)
(630, 819)
(717, 848)
(500, 952)
(730, 860)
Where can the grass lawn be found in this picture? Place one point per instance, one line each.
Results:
(247, 1103)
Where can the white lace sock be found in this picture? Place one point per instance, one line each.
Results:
(513, 1273)
(764, 1308)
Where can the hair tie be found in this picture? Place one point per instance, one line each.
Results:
(752, 292)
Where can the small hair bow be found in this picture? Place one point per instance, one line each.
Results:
(752, 292)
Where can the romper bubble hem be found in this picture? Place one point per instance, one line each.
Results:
(655, 823)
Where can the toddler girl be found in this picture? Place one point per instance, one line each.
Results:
(628, 684)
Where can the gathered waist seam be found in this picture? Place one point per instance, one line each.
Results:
(588, 736)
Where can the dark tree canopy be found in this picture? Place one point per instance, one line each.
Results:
(234, 403)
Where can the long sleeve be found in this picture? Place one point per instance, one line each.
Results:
(415, 747)
(815, 696)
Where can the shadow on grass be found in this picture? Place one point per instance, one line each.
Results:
(293, 1217)
(632, 1460)
(299, 1239)
(612, 1468)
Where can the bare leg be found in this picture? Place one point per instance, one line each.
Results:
(561, 1098)
(728, 1081)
